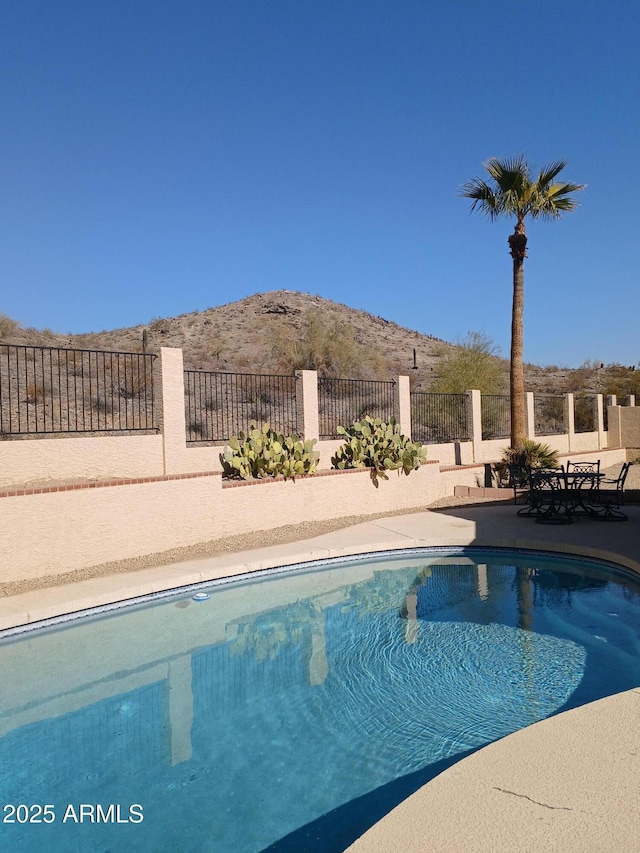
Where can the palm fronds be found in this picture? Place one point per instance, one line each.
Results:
(515, 191)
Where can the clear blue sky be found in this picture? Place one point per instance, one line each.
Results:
(163, 156)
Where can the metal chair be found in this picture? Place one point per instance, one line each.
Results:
(609, 497)
(583, 467)
(547, 496)
(518, 481)
(555, 496)
(579, 485)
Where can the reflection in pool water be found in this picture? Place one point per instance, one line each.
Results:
(291, 713)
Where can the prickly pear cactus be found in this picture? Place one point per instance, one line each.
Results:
(372, 443)
(263, 452)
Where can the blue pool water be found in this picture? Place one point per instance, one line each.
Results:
(290, 713)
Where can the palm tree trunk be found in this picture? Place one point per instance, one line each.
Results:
(518, 245)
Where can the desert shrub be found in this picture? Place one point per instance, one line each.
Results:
(621, 381)
(8, 326)
(372, 443)
(72, 361)
(265, 453)
(367, 409)
(243, 363)
(35, 392)
(160, 325)
(584, 413)
(196, 428)
(328, 347)
(549, 414)
(218, 344)
(134, 382)
(102, 405)
(259, 406)
(474, 363)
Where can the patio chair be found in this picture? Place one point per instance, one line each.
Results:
(609, 497)
(519, 476)
(556, 497)
(583, 467)
(547, 492)
(580, 485)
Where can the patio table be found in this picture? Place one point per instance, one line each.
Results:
(558, 497)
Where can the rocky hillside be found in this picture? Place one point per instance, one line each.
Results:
(241, 336)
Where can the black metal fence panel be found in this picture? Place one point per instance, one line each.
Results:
(342, 402)
(48, 390)
(220, 405)
(548, 414)
(496, 416)
(438, 418)
(585, 417)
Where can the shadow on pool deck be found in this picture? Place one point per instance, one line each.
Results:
(618, 541)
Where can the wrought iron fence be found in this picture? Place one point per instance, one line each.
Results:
(438, 418)
(47, 390)
(220, 405)
(584, 414)
(548, 414)
(495, 412)
(342, 402)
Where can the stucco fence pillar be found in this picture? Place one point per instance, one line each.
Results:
(307, 404)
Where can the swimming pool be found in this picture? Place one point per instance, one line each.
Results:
(292, 711)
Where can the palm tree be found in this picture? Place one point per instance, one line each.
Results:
(513, 191)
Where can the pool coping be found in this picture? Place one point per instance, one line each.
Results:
(568, 782)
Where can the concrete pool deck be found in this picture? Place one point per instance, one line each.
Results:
(568, 783)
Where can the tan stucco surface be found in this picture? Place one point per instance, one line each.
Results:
(57, 532)
(79, 458)
(570, 784)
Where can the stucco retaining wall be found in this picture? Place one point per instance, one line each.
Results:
(559, 443)
(56, 532)
(53, 532)
(452, 453)
(49, 532)
(80, 458)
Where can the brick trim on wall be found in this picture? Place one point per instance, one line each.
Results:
(101, 484)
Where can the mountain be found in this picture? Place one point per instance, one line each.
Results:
(240, 337)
